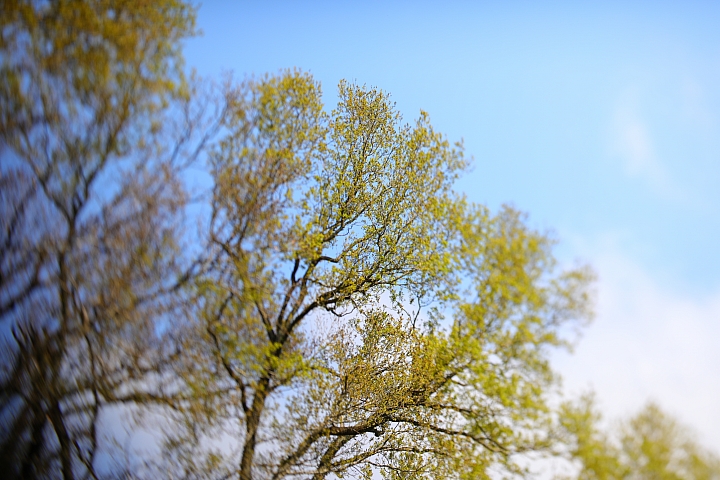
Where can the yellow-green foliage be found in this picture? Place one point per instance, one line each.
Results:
(363, 316)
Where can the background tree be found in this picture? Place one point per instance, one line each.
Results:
(90, 197)
(650, 445)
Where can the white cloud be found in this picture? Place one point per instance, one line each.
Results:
(635, 146)
(649, 341)
(632, 142)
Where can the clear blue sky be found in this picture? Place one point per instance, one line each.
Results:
(602, 121)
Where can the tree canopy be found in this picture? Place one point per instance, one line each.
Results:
(358, 314)
(322, 305)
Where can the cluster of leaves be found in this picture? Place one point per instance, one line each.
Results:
(331, 308)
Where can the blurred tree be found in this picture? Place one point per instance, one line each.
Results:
(649, 446)
(88, 239)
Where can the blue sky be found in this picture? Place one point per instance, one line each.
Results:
(602, 121)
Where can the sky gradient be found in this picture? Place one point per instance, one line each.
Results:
(601, 122)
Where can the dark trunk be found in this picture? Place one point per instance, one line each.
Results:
(252, 423)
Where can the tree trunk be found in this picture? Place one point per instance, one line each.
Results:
(251, 426)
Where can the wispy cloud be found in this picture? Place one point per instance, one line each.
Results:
(634, 144)
(636, 147)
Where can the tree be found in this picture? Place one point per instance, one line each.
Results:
(90, 197)
(650, 445)
(359, 315)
